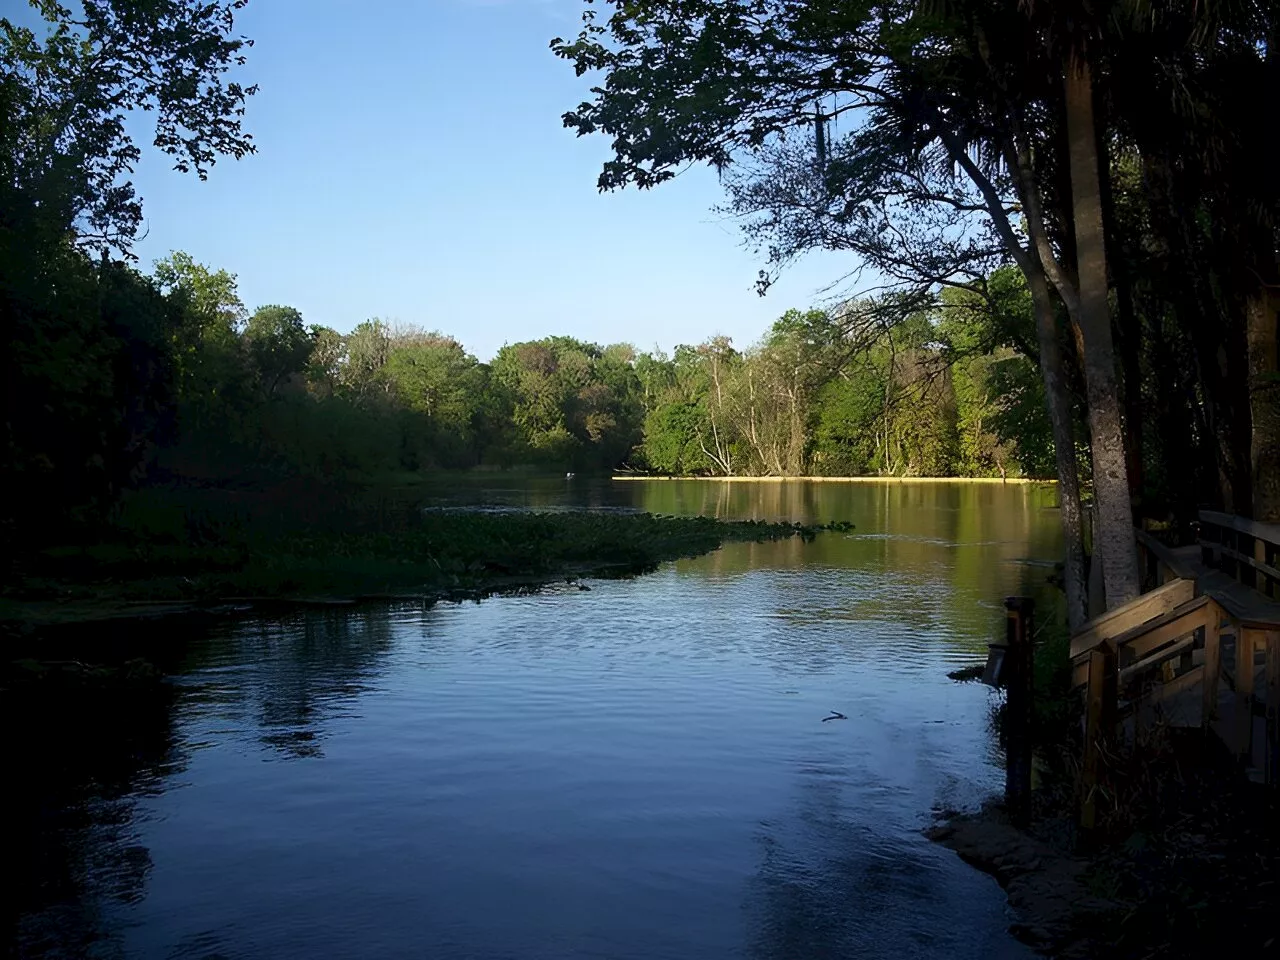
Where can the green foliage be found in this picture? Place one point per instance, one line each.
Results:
(278, 345)
(887, 386)
(849, 410)
(672, 439)
(69, 85)
(443, 387)
(987, 333)
(572, 404)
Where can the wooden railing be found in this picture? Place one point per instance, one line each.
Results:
(1245, 550)
(1187, 651)
(1137, 655)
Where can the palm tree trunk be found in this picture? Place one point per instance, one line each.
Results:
(1114, 541)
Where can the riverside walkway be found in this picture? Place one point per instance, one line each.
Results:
(1199, 648)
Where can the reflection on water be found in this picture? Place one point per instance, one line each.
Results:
(641, 770)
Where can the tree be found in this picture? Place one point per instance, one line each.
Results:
(324, 364)
(572, 403)
(68, 151)
(368, 347)
(208, 355)
(672, 435)
(711, 82)
(279, 345)
(434, 377)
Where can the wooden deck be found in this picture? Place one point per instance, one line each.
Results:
(1200, 648)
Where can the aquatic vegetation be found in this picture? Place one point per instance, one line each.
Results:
(365, 547)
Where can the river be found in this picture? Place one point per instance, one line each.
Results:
(640, 769)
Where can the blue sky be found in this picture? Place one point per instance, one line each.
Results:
(412, 165)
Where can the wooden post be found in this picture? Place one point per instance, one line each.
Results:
(1212, 666)
(1244, 694)
(1273, 708)
(1019, 615)
(1099, 727)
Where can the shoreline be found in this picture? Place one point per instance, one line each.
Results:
(25, 617)
(1010, 480)
(445, 558)
(1047, 890)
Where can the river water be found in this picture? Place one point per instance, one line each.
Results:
(637, 770)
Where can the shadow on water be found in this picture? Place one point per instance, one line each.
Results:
(282, 680)
(835, 884)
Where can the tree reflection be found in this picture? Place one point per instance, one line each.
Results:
(289, 676)
(82, 746)
(86, 747)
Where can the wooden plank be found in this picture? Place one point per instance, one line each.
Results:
(1273, 708)
(1146, 637)
(1243, 745)
(1100, 726)
(1247, 606)
(1250, 559)
(1174, 562)
(1127, 616)
(1163, 691)
(1212, 665)
(1079, 673)
(1254, 528)
(1154, 660)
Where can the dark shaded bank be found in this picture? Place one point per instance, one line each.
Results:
(1186, 863)
(180, 551)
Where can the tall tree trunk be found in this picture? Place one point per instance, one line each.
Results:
(1113, 540)
(1130, 329)
(1264, 391)
(1059, 403)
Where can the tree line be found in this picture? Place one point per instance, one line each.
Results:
(884, 386)
(172, 377)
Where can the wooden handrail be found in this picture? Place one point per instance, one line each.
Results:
(1229, 584)
(1157, 658)
(1114, 623)
(1151, 643)
(1178, 566)
(1147, 637)
(1253, 528)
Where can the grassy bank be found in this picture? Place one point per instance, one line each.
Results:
(181, 548)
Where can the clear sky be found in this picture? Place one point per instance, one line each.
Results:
(412, 165)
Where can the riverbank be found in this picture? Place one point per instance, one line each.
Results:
(179, 554)
(1185, 862)
(996, 480)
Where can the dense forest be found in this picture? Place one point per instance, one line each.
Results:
(211, 391)
(172, 377)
